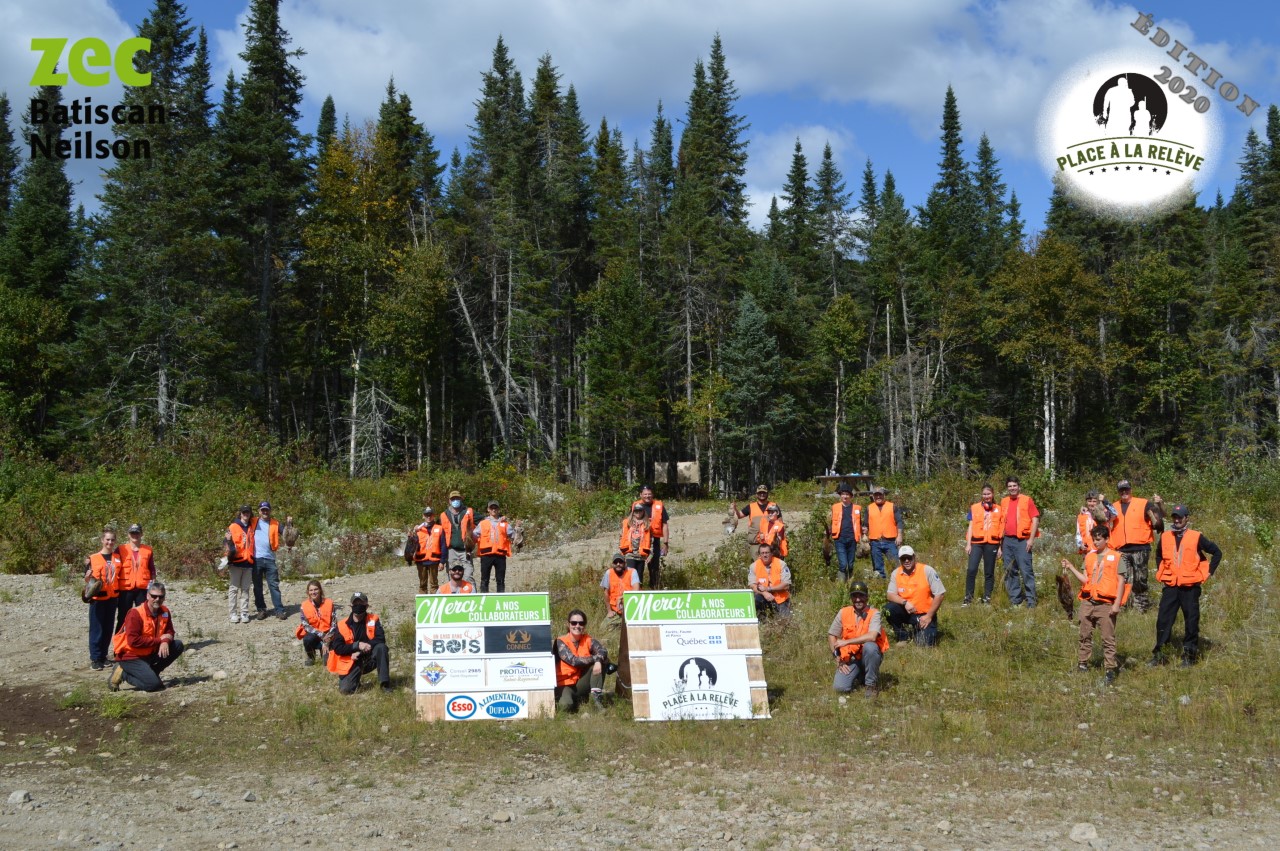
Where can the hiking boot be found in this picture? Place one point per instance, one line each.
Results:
(262, 614)
(282, 615)
(1187, 662)
(311, 660)
(870, 692)
(967, 601)
(1155, 662)
(97, 664)
(117, 677)
(388, 687)
(1111, 676)
(596, 702)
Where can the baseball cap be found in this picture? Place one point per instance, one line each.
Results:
(1123, 485)
(618, 556)
(428, 510)
(843, 487)
(455, 494)
(762, 488)
(859, 588)
(136, 527)
(246, 509)
(359, 595)
(906, 551)
(264, 504)
(1179, 511)
(493, 503)
(878, 490)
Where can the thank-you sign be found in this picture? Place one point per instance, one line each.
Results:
(484, 657)
(695, 655)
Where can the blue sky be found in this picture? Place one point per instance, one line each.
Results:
(864, 76)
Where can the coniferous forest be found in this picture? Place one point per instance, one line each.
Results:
(561, 297)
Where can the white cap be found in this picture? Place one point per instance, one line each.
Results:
(906, 551)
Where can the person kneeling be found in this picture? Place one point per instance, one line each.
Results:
(358, 647)
(145, 644)
(580, 666)
(915, 595)
(858, 642)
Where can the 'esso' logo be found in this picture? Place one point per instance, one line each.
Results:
(461, 707)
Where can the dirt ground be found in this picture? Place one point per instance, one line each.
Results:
(63, 786)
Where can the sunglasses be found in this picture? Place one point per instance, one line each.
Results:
(156, 596)
(577, 623)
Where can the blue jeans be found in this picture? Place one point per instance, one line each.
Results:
(1019, 576)
(267, 567)
(906, 625)
(102, 619)
(879, 549)
(845, 552)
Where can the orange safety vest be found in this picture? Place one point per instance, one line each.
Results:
(241, 544)
(153, 626)
(852, 626)
(1084, 526)
(985, 526)
(320, 618)
(915, 587)
(775, 535)
(566, 674)
(773, 576)
(139, 567)
(340, 665)
(837, 518)
(468, 523)
(880, 521)
(1132, 526)
(430, 544)
(655, 516)
(646, 538)
(1024, 516)
(1181, 566)
(494, 538)
(1102, 581)
(273, 532)
(108, 570)
(467, 588)
(619, 585)
(756, 513)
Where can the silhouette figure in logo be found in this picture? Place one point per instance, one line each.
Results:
(705, 671)
(1117, 105)
(1143, 123)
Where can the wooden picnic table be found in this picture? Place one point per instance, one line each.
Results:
(860, 482)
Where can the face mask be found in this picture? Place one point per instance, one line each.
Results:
(455, 503)
(359, 608)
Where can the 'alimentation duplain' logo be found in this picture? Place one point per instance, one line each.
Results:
(89, 62)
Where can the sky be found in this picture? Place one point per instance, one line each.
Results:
(866, 77)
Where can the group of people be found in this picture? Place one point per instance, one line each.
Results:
(451, 543)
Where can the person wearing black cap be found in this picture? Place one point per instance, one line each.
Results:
(238, 542)
(424, 549)
(1182, 568)
(359, 646)
(858, 641)
(493, 541)
(1134, 525)
(845, 528)
(618, 579)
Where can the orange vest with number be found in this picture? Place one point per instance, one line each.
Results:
(494, 538)
(655, 516)
(1181, 566)
(772, 576)
(467, 588)
(775, 535)
(430, 544)
(619, 585)
(852, 626)
(108, 570)
(646, 539)
(241, 545)
(1132, 526)
(153, 626)
(566, 674)
(1024, 516)
(1101, 582)
(837, 519)
(880, 521)
(915, 588)
(985, 527)
(340, 665)
(139, 567)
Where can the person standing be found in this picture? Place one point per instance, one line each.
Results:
(915, 594)
(1185, 559)
(316, 628)
(1094, 511)
(138, 571)
(1103, 591)
(580, 663)
(238, 542)
(845, 529)
(266, 540)
(774, 532)
(1021, 528)
(146, 644)
(771, 580)
(858, 642)
(659, 533)
(493, 540)
(105, 567)
(636, 541)
(1133, 528)
(982, 544)
(458, 521)
(884, 530)
(754, 512)
(425, 550)
(359, 646)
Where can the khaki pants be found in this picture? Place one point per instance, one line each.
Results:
(238, 585)
(428, 576)
(1097, 616)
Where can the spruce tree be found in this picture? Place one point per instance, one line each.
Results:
(9, 160)
(831, 221)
